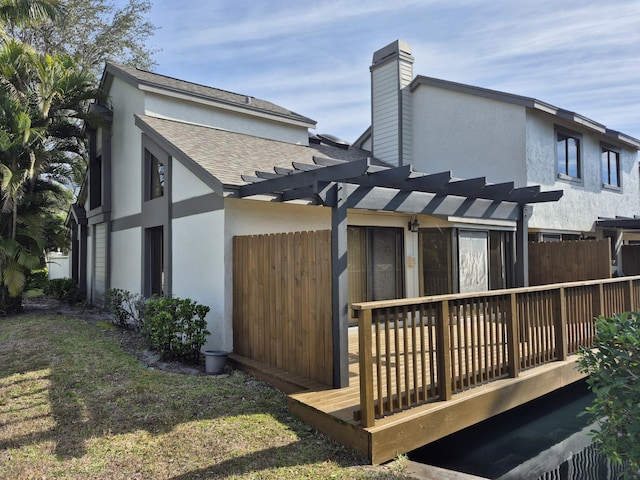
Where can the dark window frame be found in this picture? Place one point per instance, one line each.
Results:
(563, 154)
(155, 261)
(155, 175)
(366, 261)
(609, 152)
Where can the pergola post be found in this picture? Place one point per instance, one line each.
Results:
(522, 247)
(339, 287)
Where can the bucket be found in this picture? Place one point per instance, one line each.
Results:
(214, 361)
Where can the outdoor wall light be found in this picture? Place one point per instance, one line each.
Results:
(414, 225)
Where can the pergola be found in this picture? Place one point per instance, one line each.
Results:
(367, 184)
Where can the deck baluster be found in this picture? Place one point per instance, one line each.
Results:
(366, 369)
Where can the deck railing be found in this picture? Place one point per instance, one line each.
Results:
(416, 350)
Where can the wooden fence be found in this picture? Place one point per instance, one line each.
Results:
(282, 302)
(568, 261)
(412, 351)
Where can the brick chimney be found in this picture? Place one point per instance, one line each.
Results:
(391, 105)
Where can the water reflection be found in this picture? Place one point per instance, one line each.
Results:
(575, 458)
(545, 439)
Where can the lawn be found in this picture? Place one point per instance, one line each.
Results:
(73, 404)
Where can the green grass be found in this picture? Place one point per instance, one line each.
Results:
(74, 405)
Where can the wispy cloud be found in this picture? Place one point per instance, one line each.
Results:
(313, 57)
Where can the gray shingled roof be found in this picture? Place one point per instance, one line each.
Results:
(227, 155)
(140, 77)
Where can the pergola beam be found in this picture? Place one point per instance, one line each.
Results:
(304, 179)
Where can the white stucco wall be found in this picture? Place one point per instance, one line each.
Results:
(184, 184)
(582, 202)
(174, 108)
(470, 135)
(126, 260)
(126, 149)
(198, 267)
(254, 217)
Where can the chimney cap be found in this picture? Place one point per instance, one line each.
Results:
(396, 48)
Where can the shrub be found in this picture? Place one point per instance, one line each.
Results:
(64, 289)
(37, 279)
(127, 308)
(176, 327)
(613, 366)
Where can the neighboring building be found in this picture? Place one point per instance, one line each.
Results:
(177, 170)
(437, 125)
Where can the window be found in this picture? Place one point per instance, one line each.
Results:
(500, 259)
(154, 261)
(435, 265)
(375, 267)
(610, 167)
(568, 155)
(155, 172)
(95, 183)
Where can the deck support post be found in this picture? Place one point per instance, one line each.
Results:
(628, 296)
(367, 413)
(443, 351)
(339, 286)
(522, 249)
(598, 301)
(562, 340)
(513, 336)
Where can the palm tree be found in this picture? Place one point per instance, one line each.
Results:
(17, 13)
(43, 105)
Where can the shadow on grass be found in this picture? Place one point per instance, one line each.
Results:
(286, 456)
(93, 389)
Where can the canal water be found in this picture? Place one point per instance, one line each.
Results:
(545, 439)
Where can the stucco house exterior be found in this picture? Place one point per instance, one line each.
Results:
(177, 170)
(436, 125)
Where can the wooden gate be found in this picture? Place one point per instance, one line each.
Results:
(282, 302)
(569, 261)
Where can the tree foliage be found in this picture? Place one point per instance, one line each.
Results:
(51, 52)
(613, 366)
(93, 32)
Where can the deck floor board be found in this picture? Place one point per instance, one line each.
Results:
(332, 410)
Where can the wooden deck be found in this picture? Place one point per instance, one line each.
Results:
(336, 412)
(422, 368)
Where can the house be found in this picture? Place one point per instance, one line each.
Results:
(178, 171)
(436, 125)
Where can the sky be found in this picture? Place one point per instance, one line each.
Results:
(313, 57)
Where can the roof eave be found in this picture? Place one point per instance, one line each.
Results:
(527, 102)
(298, 122)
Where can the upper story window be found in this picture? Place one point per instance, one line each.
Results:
(155, 175)
(568, 153)
(95, 182)
(610, 167)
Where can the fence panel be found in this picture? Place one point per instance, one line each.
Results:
(569, 261)
(282, 302)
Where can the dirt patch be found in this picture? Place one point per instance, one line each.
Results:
(131, 342)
